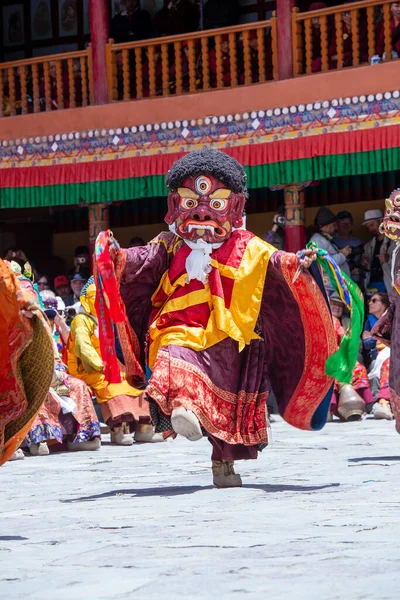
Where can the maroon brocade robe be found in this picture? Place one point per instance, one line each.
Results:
(227, 388)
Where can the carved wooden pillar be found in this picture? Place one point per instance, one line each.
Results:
(295, 230)
(99, 220)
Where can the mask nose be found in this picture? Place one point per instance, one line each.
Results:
(201, 214)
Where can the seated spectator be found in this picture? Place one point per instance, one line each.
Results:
(377, 305)
(136, 241)
(177, 16)
(220, 13)
(349, 402)
(395, 32)
(378, 357)
(255, 50)
(339, 310)
(43, 283)
(226, 63)
(132, 24)
(276, 235)
(325, 226)
(376, 257)
(54, 100)
(158, 73)
(348, 41)
(77, 284)
(62, 287)
(54, 307)
(343, 237)
(316, 37)
(185, 67)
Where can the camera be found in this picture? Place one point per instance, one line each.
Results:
(280, 220)
(69, 313)
(81, 260)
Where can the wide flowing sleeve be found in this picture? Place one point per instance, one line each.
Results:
(299, 336)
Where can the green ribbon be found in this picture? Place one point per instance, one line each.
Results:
(341, 364)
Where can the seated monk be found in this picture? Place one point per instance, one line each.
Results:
(122, 405)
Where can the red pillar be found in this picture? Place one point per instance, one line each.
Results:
(99, 220)
(98, 15)
(295, 231)
(284, 31)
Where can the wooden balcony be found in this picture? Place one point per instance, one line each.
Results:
(202, 61)
(344, 36)
(219, 60)
(46, 84)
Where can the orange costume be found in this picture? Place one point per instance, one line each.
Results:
(26, 361)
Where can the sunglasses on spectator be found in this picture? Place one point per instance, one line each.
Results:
(374, 300)
(43, 283)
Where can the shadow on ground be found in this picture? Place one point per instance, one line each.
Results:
(374, 458)
(184, 490)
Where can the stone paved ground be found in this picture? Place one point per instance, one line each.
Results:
(318, 518)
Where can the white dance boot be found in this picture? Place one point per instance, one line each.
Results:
(89, 445)
(224, 475)
(121, 436)
(145, 433)
(40, 449)
(18, 455)
(186, 424)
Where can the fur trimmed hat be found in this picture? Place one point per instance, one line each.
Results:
(212, 162)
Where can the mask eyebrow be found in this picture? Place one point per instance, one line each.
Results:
(222, 194)
(187, 193)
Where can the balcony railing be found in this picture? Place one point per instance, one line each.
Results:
(215, 59)
(333, 38)
(344, 36)
(46, 83)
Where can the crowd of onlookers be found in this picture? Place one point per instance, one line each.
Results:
(63, 285)
(369, 266)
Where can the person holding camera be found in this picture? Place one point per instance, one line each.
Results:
(81, 261)
(344, 237)
(276, 235)
(326, 226)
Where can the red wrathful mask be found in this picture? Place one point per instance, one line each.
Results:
(204, 208)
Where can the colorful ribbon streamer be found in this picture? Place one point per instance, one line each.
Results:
(341, 364)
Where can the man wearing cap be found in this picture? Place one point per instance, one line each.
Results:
(77, 284)
(377, 254)
(325, 225)
(62, 287)
(343, 237)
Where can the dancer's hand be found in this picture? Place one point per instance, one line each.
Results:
(307, 258)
